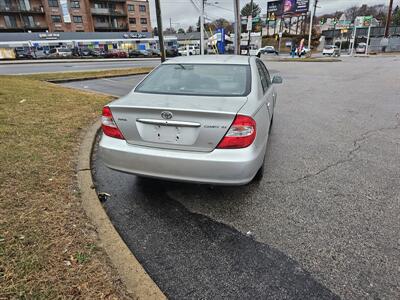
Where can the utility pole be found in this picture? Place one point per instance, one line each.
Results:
(311, 24)
(389, 19)
(160, 30)
(170, 25)
(238, 24)
(249, 27)
(202, 27)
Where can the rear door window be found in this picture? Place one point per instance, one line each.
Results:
(266, 73)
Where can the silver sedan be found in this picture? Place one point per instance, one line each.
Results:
(203, 119)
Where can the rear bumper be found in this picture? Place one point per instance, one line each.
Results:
(221, 166)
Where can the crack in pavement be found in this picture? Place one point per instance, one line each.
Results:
(350, 156)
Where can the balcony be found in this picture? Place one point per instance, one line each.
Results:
(39, 10)
(110, 27)
(107, 12)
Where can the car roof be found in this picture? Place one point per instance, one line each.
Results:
(210, 59)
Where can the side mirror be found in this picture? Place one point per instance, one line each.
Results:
(277, 79)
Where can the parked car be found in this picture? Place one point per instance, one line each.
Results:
(171, 52)
(361, 48)
(139, 53)
(23, 53)
(110, 54)
(116, 53)
(98, 52)
(203, 119)
(60, 53)
(154, 52)
(89, 52)
(39, 53)
(331, 50)
(193, 50)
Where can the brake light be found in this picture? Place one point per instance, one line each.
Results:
(241, 134)
(108, 125)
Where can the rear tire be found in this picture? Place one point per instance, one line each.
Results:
(260, 173)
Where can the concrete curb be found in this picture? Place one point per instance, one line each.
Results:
(135, 278)
(94, 78)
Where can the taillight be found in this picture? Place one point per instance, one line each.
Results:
(108, 125)
(241, 134)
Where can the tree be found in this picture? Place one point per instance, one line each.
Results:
(246, 10)
(181, 30)
(222, 23)
(396, 16)
(190, 29)
(352, 13)
(170, 31)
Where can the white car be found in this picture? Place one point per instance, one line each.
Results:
(361, 48)
(331, 50)
(60, 52)
(193, 50)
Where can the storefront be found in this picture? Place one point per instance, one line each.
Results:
(92, 40)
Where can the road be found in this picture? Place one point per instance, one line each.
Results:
(9, 69)
(322, 224)
(117, 86)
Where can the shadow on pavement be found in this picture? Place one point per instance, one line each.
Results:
(192, 256)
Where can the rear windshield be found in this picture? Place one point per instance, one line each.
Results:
(198, 79)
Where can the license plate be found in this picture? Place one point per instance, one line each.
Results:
(168, 134)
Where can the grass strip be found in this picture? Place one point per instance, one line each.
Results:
(87, 74)
(47, 245)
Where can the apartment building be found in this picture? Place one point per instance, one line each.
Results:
(74, 15)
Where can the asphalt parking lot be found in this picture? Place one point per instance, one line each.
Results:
(324, 222)
(17, 68)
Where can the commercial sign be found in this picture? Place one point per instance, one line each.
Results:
(65, 11)
(134, 35)
(274, 7)
(288, 7)
(363, 21)
(49, 36)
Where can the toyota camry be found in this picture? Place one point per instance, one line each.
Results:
(203, 119)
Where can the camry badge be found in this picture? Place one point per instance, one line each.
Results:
(166, 115)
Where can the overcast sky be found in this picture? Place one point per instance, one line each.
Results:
(183, 13)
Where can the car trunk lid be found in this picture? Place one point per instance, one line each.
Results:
(182, 122)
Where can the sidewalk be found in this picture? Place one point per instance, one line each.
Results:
(74, 60)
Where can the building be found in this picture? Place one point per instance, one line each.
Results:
(39, 42)
(74, 16)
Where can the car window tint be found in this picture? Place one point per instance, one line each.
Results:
(263, 78)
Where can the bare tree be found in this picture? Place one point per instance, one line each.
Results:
(352, 13)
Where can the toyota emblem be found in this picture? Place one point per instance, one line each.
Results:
(166, 115)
